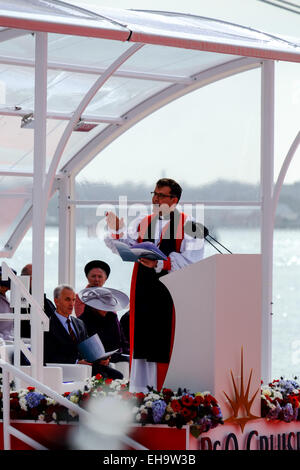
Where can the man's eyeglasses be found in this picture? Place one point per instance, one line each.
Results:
(161, 195)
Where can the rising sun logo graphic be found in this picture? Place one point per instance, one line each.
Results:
(241, 405)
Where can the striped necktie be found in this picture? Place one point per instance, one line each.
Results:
(71, 331)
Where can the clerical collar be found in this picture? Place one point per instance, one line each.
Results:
(165, 216)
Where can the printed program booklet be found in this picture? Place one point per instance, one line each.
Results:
(92, 349)
(139, 250)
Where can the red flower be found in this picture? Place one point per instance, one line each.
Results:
(187, 400)
(85, 396)
(215, 410)
(210, 400)
(123, 386)
(176, 406)
(198, 400)
(31, 389)
(98, 377)
(34, 412)
(294, 401)
(140, 397)
(14, 403)
(167, 393)
(14, 395)
(144, 416)
(66, 394)
(108, 381)
(126, 395)
(193, 414)
(186, 414)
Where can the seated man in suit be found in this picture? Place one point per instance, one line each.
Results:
(66, 331)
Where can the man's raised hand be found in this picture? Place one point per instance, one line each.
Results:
(113, 221)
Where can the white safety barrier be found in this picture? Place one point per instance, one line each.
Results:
(9, 430)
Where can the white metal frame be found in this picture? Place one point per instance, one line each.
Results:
(66, 183)
(78, 112)
(37, 317)
(98, 70)
(267, 182)
(285, 166)
(7, 111)
(19, 291)
(8, 33)
(117, 126)
(38, 212)
(155, 102)
(8, 429)
(113, 131)
(45, 185)
(67, 238)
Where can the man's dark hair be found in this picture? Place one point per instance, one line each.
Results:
(175, 188)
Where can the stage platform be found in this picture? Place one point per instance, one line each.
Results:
(259, 434)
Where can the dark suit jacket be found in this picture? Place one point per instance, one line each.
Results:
(58, 344)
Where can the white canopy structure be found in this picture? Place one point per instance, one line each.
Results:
(64, 69)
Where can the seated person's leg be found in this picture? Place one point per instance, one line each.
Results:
(119, 357)
(106, 371)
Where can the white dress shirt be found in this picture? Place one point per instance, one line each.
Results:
(63, 321)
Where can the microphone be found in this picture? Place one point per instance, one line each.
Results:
(197, 230)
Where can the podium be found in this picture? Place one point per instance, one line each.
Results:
(217, 329)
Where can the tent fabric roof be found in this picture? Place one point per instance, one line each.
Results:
(151, 27)
(82, 46)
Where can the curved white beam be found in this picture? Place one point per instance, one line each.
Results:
(18, 234)
(164, 97)
(87, 69)
(78, 112)
(283, 172)
(20, 231)
(9, 33)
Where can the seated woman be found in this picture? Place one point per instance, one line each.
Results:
(105, 323)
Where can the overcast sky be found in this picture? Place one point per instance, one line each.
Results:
(214, 132)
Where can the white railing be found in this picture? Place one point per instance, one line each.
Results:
(18, 292)
(9, 430)
(37, 314)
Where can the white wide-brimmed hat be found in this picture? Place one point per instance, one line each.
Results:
(104, 298)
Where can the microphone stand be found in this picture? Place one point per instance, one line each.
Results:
(197, 230)
(208, 235)
(213, 246)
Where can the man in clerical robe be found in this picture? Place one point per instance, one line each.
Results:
(152, 315)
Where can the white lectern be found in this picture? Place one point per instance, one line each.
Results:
(218, 312)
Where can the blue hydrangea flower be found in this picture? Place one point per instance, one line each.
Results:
(274, 412)
(288, 385)
(158, 410)
(287, 413)
(204, 424)
(33, 399)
